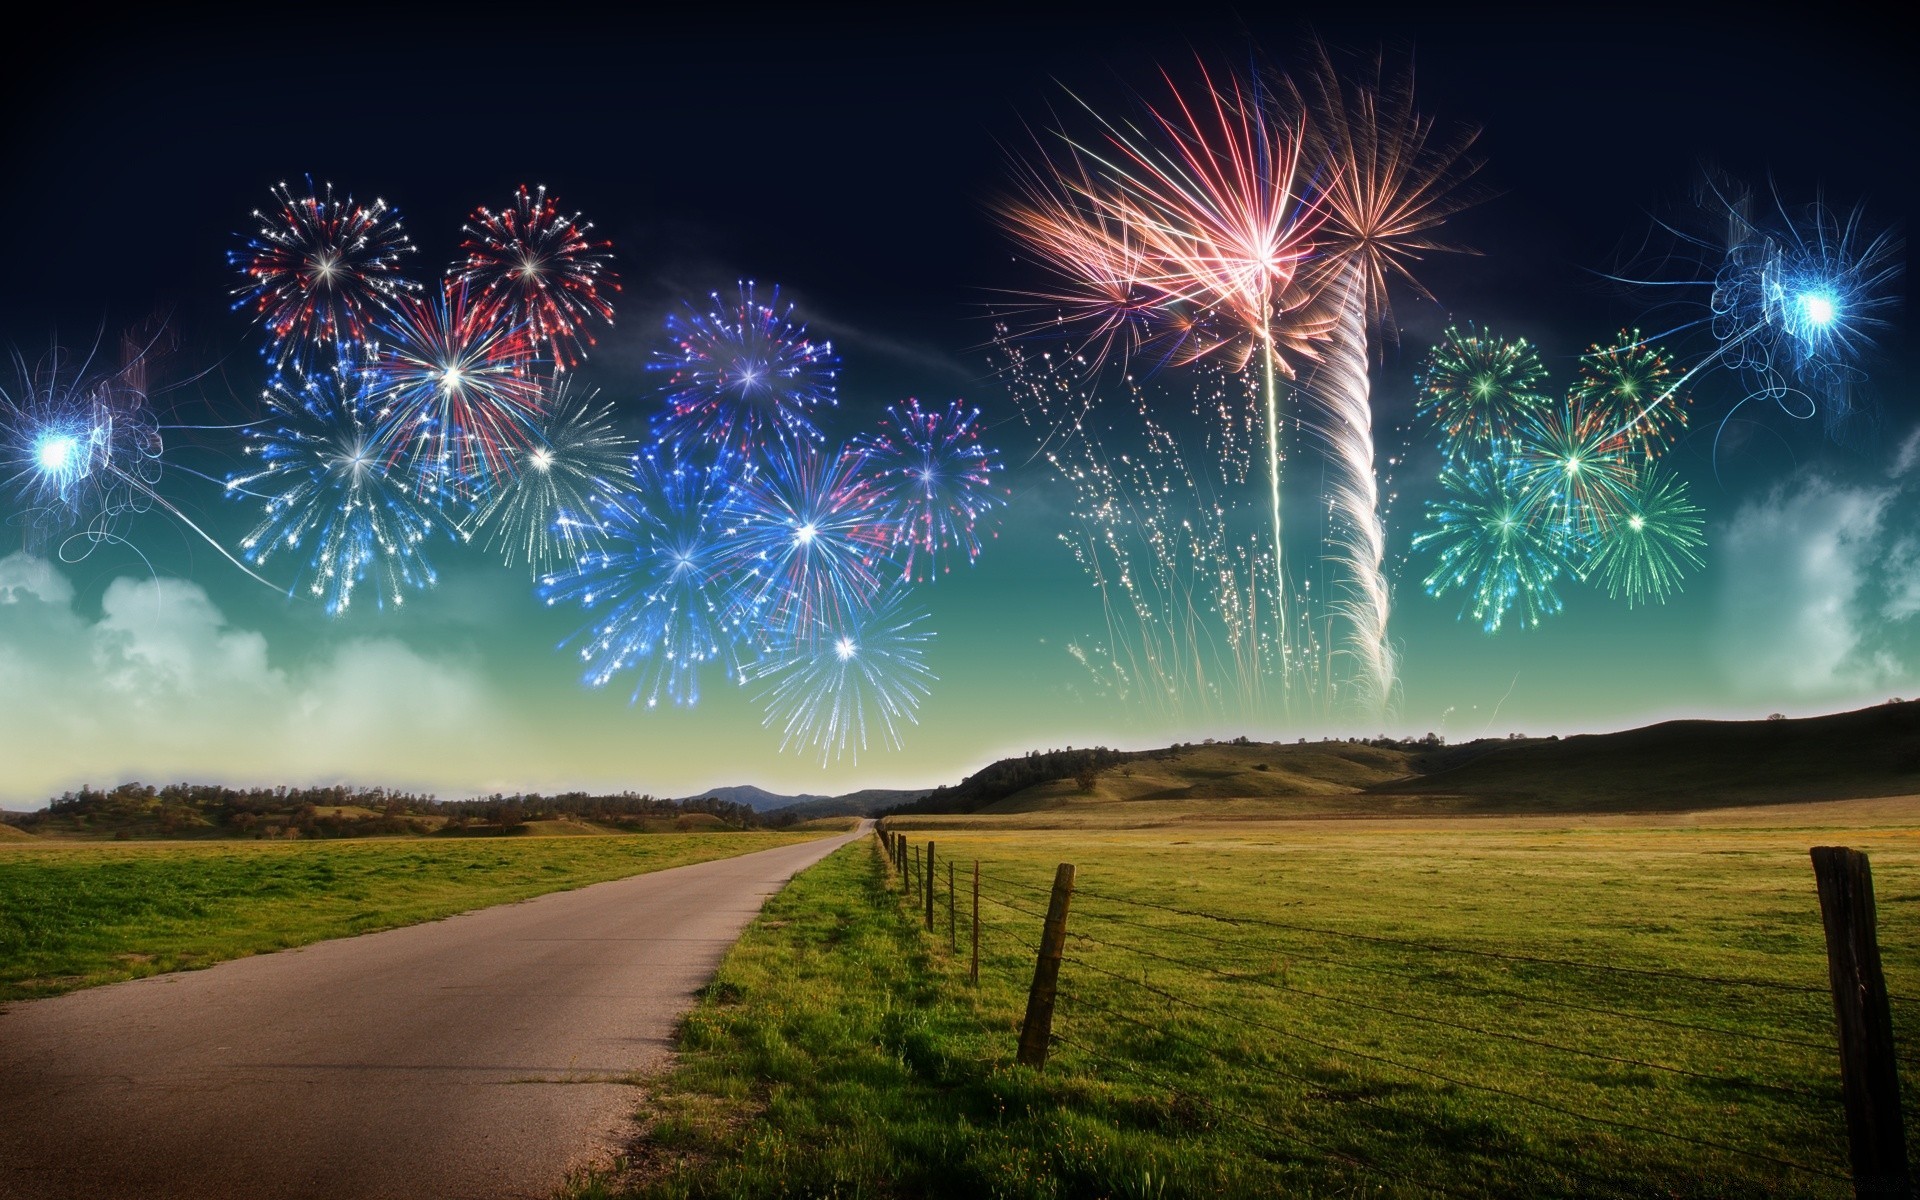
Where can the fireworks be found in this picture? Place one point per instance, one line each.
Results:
(1389, 184)
(1193, 223)
(1792, 296)
(861, 668)
(1630, 388)
(1477, 388)
(320, 271)
(1492, 547)
(542, 269)
(935, 481)
(659, 583)
(743, 373)
(1534, 489)
(1645, 553)
(543, 509)
(815, 540)
(335, 501)
(58, 441)
(1576, 462)
(450, 381)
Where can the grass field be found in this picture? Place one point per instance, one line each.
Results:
(1608, 1006)
(75, 915)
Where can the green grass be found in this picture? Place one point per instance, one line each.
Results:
(841, 1051)
(73, 916)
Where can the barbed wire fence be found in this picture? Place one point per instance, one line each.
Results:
(1378, 1053)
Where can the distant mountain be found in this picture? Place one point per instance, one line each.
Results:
(853, 804)
(758, 799)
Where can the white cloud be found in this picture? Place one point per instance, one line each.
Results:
(1818, 581)
(159, 687)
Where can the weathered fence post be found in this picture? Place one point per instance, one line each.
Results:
(953, 937)
(1869, 1077)
(1037, 1030)
(974, 975)
(929, 882)
(916, 871)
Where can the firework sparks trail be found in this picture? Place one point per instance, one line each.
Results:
(863, 668)
(1179, 565)
(544, 271)
(1344, 418)
(745, 373)
(1388, 184)
(544, 510)
(936, 482)
(1476, 389)
(335, 500)
(320, 272)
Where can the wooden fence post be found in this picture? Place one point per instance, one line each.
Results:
(974, 975)
(1037, 1031)
(953, 937)
(1869, 1076)
(929, 882)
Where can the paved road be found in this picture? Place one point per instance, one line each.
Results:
(480, 1056)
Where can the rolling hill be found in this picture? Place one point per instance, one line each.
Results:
(1671, 766)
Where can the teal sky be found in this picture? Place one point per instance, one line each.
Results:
(151, 658)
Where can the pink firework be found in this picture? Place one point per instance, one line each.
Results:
(321, 271)
(936, 481)
(451, 389)
(542, 267)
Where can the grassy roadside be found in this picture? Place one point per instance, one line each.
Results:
(75, 916)
(840, 1051)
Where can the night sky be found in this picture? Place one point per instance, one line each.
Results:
(854, 163)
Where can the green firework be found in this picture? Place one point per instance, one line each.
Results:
(1476, 389)
(1644, 554)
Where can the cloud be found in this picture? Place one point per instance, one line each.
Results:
(160, 686)
(1820, 583)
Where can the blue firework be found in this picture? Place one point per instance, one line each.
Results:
(936, 481)
(744, 372)
(337, 505)
(815, 540)
(660, 588)
(861, 672)
(1496, 546)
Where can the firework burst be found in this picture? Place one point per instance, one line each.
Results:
(740, 374)
(1492, 546)
(863, 669)
(543, 269)
(1477, 389)
(1202, 204)
(815, 541)
(1645, 554)
(336, 504)
(936, 482)
(449, 376)
(1574, 461)
(320, 271)
(1630, 386)
(543, 510)
(659, 584)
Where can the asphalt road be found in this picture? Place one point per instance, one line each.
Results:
(479, 1056)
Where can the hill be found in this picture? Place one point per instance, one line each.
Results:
(1670, 766)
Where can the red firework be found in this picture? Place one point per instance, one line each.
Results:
(541, 266)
